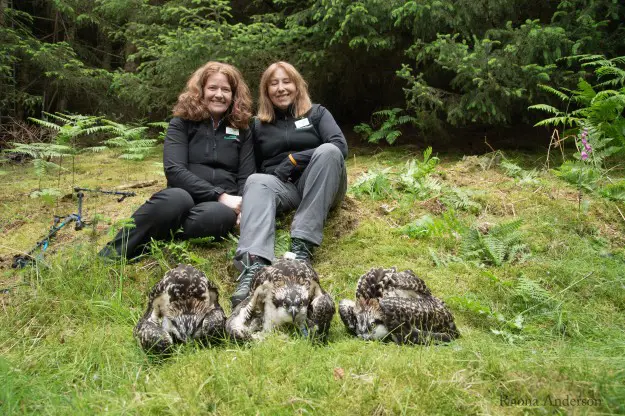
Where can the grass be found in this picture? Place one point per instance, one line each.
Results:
(533, 333)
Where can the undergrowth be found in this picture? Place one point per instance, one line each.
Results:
(537, 299)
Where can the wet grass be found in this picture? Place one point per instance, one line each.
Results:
(534, 333)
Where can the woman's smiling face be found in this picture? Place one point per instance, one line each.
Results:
(281, 89)
(217, 94)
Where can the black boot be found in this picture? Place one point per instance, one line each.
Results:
(303, 249)
(249, 266)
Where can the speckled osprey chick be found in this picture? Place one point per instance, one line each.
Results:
(182, 306)
(397, 306)
(285, 293)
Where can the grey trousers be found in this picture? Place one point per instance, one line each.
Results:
(321, 187)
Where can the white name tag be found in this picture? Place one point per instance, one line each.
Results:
(302, 123)
(230, 130)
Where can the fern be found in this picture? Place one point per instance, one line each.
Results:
(385, 126)
(600, 106)
(376, 184)
(416, 177)
(497, 245)
(460, 199)
(531, 292)
(580, 174)
(614, 191)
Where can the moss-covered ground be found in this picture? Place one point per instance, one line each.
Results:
(540, 334)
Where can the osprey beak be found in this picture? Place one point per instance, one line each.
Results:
(293, 312)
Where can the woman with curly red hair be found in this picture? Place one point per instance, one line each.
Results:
(208, 155)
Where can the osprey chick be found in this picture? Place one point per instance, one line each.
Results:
(397, 306)
(182, 306)
(285, 293)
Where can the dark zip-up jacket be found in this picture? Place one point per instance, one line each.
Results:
(273, 142)
(206, 162)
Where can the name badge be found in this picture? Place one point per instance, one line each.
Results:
(302, 123)
(230, 130)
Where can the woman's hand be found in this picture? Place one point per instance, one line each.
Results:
(231, 201)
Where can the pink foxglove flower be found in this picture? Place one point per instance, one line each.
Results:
(584, 155)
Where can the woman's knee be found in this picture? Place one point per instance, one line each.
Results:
(172, 202)
(258, 181)
(209, 219)
(328, 151)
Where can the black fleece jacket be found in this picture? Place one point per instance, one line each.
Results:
(273, 142)
(206, 162)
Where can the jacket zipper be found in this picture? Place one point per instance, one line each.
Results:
(286, 132)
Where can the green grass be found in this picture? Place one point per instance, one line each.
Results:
(538, 331)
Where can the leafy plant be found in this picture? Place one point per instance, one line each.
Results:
(131, 141)
(374, 183)
(42, 154)
(385, 126)
(415, 169)
(416, 177)
(599, 109)
(460, 199)
(172, 252)
(515, 171)
(494, 244)
(48, 195)
(578, 173)
(531, 293)
(428, 226)
(614, 191)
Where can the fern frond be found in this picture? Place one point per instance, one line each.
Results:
(160, 124)
(59, 116)
(495, 249)
(95, 149)
(554, 91)
(559, 121)
(545, 107)
(46, 124)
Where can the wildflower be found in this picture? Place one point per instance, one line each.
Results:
(587, 148)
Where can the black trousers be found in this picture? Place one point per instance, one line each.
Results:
(165, 213)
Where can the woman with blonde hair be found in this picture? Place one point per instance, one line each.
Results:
(300, 156)
(207, 156)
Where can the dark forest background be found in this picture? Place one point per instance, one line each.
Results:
(446, 63)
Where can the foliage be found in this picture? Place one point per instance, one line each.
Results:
(428, 226)
(417, 170)
(130, 140)
(494, 244)
(581, 174)
(417, 180)
(42, 154)
(614, 191)
(170, 253)
(130, 60)
(386, 129)
(67, 324)
(374, 183)
(599, 109)
(460, 199)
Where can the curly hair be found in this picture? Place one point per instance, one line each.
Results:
(191, 104)
(301, 104)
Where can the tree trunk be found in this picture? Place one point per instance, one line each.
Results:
(4, 4)
(129, 49)
(106, 46)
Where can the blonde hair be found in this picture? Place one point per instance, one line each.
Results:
(301, 104)
(191, 105)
